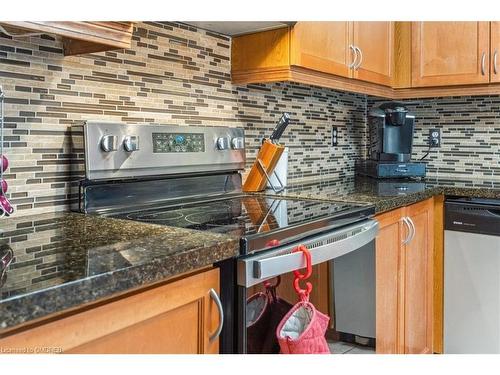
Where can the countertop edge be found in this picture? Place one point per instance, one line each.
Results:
(51, 302)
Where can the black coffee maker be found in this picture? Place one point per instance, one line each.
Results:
(391, 128)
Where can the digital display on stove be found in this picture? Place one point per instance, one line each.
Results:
(178, 142)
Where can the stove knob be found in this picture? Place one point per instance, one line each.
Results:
(238, 143)
(109, 143)
(222, 143)
(131, 143)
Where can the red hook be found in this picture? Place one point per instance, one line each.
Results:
(303, 293)
(268, 285)
(273, 243)
(307, 254)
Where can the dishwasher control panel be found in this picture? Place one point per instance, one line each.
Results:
(473, 215)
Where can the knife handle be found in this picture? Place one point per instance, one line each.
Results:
(280, 127)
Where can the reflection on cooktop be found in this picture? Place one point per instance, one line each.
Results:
(239, 215)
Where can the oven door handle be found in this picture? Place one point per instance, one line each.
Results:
(325, 247)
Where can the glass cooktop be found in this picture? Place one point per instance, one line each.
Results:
(253, 217)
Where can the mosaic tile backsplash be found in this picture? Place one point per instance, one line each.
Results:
(177, 74)
(172, 74)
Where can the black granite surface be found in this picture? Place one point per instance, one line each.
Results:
(64, 260)
(387, 195)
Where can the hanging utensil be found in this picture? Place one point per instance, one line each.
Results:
(302, 330)
(264, 311)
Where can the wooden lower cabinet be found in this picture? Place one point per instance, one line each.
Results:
(173, 318)
(404, 280)
(387, 279)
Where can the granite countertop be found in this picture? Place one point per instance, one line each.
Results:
(387, 195)
(65, 260)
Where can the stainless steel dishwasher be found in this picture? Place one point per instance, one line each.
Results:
(472, 276)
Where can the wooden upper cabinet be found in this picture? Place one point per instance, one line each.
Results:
(394, 60)
(450, 53)
(375, 40)
(81, 37)
(329, 47)
(300, 52)
(260, 51)
(495, 52)
(322, 46)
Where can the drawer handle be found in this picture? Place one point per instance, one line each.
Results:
(218, 303)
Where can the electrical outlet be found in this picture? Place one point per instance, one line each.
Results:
(335, 136)
(435, 138)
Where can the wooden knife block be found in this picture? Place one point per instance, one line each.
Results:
(269, 154)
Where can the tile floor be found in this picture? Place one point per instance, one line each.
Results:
(339, 347)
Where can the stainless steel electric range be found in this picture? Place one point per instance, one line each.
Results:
(191, 177)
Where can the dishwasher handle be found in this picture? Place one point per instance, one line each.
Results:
(258, 268)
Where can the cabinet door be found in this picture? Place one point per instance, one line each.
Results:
(174, 318)
(450, 53)
(418, 281)
(387, 269)
(495, 52)
(376, 43)
(322, 46)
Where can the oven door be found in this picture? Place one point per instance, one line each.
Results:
(256, 321)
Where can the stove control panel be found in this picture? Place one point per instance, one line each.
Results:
(116, 150)
(178, 142)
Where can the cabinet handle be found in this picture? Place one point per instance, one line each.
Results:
(355, 53)
(360, 58)
(218, 303)
(407, 239)
(483, 61)
(413, 229)
(495, 62)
